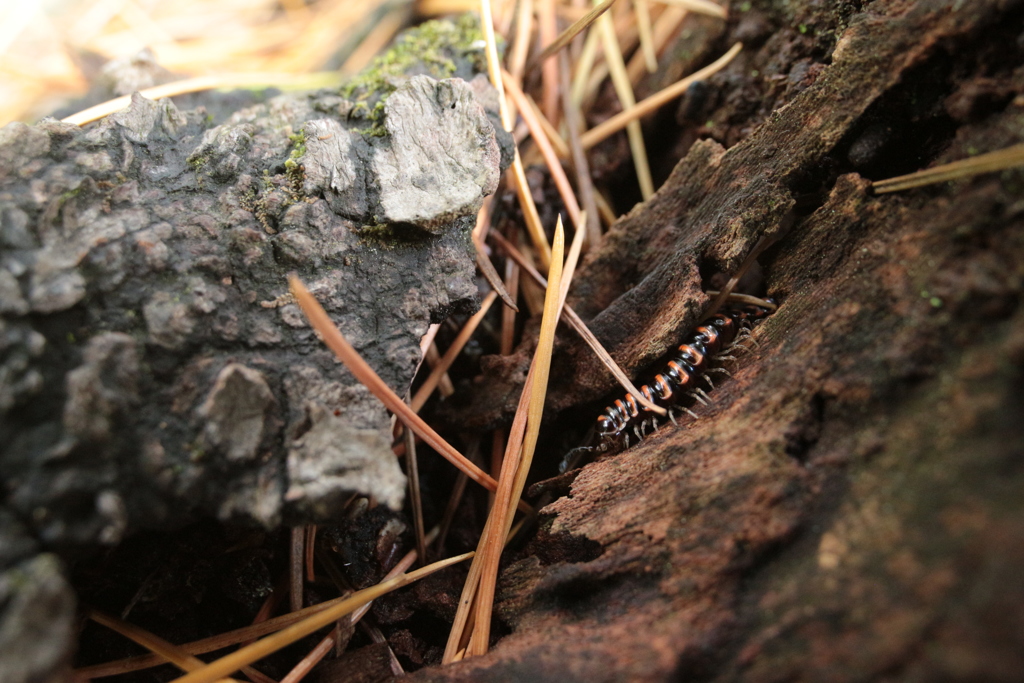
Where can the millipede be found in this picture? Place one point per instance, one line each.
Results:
(683, 382)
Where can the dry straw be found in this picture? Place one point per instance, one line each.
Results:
(999, 160)
(217, 669)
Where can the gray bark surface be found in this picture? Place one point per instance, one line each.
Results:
(153, 366)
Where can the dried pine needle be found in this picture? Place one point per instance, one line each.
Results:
(516, 460)
(517, 174)
(159, 646)
(415, 498)
(665, 26)
(552, 135)
(219, 668)
(521, 43)
(628, 38)
(336, 341)
(508, 319)
(580, 165)
(584, 66)
(504, 16)
(558, 285)
(433, 8)
(210, 644)
(747, 299)
(550, 157)
(999, 160)
(577, 27)
(548, 30)
(570, 264)
(429, 384)
(460, 633)
(310, 546)
(306, 664)
(255, 675)
(643, 26)
(581, 328)
(701, 7)
(483, 261)
(189, 85)
(604, 207)
(433, 357)
(601, 132)
(530, 213)
(493, 63)
(721, 297)
(624, 90)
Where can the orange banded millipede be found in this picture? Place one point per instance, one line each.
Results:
(684, 381)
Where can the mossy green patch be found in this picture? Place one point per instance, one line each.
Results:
(293, 169)
(377, 233)
(197, 162)
(257, 205)
(434, 48)
(298, 141)
(70, 194)
(287, 185)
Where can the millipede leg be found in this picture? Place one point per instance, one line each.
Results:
(672, 416)
(697, 397)
(694, 415)
(707, 379)
(721, 370)
(704, 394)
(627, 440)
(573, 457)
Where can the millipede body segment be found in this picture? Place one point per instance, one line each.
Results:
(685, 379)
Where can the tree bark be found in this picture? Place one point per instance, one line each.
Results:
(153, 366)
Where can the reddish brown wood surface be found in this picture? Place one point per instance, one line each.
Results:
(850, 507)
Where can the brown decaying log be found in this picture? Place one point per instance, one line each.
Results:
(849, 507)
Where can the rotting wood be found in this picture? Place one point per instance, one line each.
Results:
(858, 478)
